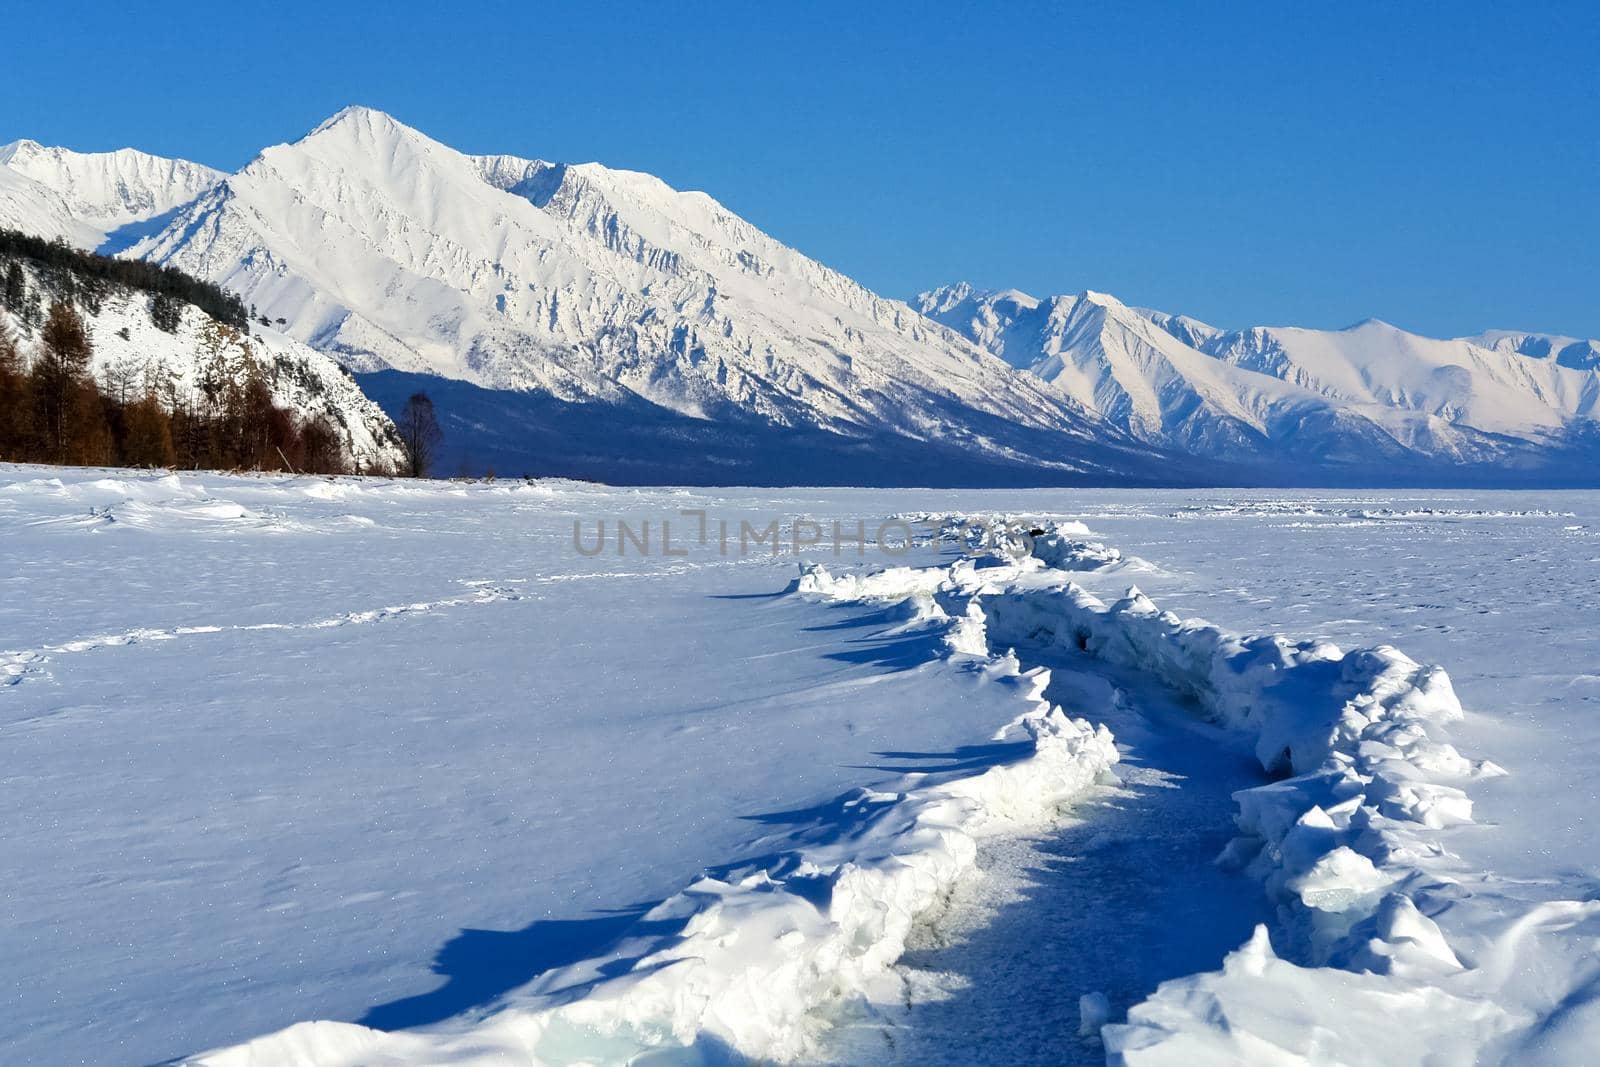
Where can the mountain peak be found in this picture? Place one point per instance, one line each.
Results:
(944, 298)
(1014, 296)
(1105, 300)
(358, 116)
(19, 149)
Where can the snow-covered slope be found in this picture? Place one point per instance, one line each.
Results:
(1372, 394)
(85, 198)
(391, 250)
(130, 353)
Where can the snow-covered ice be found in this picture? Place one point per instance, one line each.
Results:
(400, 757)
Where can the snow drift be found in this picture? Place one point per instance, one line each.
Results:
(1347, 844)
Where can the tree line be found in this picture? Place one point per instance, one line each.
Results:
(53, 410)
(85, 278)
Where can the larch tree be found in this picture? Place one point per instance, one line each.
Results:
(147, 440)
(15, 416)
(58, 377)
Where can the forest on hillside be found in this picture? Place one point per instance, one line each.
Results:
(53, 408)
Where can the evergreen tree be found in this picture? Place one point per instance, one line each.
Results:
(67, 270)
(32, 313)
(16, 290)
(165, 313)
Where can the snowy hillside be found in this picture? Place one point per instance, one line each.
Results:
(86, 198)
(131, 355)
(1368, 396)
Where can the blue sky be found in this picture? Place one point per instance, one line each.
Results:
(1435, 165)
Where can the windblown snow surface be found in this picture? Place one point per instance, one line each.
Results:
(403, 758)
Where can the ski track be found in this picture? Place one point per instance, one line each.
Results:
(19, 665)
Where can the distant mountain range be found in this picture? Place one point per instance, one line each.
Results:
(575, 319)
(1370, 394)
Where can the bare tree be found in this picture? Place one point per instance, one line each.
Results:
(121, 380)
(419, 434)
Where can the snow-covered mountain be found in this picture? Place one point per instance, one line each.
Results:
(1361, 397)
(585, 284)
(90, 199)
(593, 321)
(1572, 352)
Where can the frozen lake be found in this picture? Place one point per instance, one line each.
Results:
(385, 752)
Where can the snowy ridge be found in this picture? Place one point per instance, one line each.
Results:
(84, 197)
(756, 950)
(1573, 352)
(394, 251)
(589, 285)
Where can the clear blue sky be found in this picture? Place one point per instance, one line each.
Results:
(1308, 163)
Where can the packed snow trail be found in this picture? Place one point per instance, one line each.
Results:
(1124, 897)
